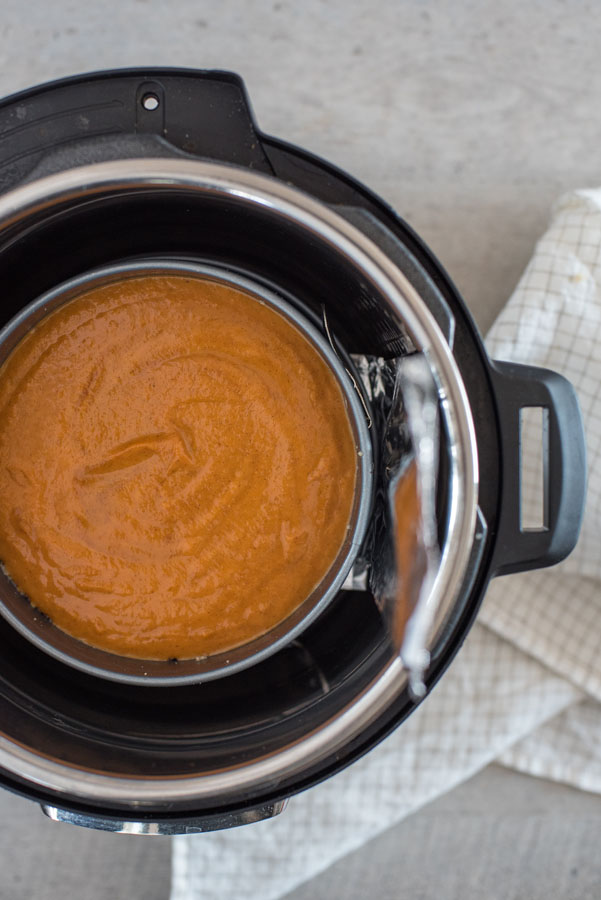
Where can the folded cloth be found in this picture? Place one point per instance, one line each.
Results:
(525, 688)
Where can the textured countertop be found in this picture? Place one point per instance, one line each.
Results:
(470, 118)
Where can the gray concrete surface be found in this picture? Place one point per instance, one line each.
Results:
(470, 117)
(44, 860)
(500, 836)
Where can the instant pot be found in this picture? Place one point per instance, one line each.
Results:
(163, 167)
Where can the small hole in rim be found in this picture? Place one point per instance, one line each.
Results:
(150, 102)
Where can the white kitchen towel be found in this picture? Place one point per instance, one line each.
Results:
(526, 687)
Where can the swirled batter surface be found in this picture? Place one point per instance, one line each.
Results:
(177, 467)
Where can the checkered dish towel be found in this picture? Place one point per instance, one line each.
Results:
(525, 690)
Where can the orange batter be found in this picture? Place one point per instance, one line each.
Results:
(177, 467)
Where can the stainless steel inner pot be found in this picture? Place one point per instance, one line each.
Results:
(292, 741)
(40, 630)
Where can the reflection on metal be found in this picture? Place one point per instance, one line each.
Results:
(356, 580)
(414, 584)
(348, 371)
(184, 826)
(315, 668)
(480, 535)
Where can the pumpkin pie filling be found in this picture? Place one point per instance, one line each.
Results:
(177, 467)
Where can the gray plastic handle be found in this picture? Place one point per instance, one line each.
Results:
(517, 387)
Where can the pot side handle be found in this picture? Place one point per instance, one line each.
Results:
(518, 387)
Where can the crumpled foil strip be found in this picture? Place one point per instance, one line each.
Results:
(401, 556)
